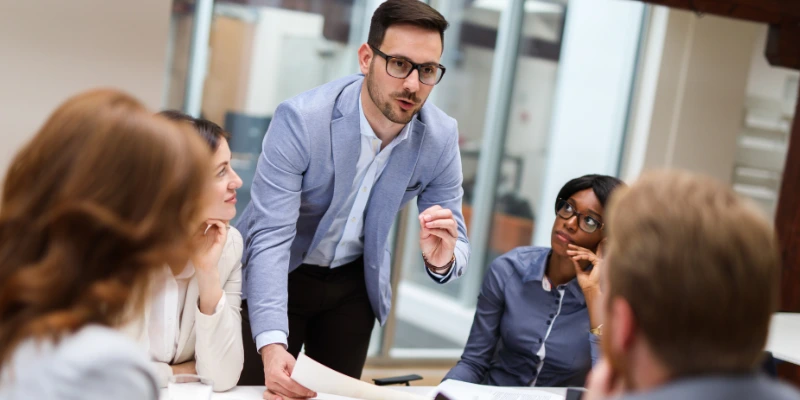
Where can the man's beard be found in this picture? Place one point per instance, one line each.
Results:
(386, 106)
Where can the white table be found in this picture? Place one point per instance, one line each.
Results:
(784, 337)
(257, 392)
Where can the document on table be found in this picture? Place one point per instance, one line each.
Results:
(326, 381)
(457, 390)
(331, 385)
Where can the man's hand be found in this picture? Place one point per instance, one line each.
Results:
(602, 383)
(278, 366)
(438, 235)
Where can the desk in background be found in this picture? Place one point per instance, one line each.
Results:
(784, 337)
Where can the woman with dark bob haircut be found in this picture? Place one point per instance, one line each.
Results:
(537, 321)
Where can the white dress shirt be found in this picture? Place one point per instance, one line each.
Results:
(344, 241)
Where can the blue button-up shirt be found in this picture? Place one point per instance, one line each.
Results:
(527, 332)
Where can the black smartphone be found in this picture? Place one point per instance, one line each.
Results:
(575, 393)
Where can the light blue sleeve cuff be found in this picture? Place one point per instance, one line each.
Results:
(270, 337)
(594, 348)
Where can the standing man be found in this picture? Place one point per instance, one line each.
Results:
(691, 281)
(337, 164)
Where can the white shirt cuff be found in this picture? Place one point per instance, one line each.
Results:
(270, 337)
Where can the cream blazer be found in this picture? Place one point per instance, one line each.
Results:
(213, 341)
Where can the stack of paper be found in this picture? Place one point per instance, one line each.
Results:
(322, 379)
(457, 390)
(331, 385)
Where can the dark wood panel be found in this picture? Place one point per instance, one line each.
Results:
(787, 222)
(768, 11)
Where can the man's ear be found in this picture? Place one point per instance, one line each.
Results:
(623, 334)
(364, 58)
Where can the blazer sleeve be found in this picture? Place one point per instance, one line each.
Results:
(445, 190)
(485, 332)
(219, 353)
(275, 199)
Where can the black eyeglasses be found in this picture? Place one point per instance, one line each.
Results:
(400, 68)
(587, 223)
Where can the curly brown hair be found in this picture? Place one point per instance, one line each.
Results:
(104, 193)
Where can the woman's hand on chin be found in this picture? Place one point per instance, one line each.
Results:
(209, 241)
(588, 280)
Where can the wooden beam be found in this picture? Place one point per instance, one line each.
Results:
(783, 46)
(787, 222)
(764, 11)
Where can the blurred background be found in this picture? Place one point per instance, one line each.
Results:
(543, 91)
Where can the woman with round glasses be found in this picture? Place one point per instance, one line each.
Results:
(537, 322)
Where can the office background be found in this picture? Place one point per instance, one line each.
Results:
(543, 90)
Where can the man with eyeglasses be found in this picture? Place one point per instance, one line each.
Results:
(338, 163)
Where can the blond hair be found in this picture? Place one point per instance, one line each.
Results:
(700, 269)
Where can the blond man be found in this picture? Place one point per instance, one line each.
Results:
(691, 281)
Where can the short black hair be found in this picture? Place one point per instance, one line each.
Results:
(601, 185)
(209, 131)
(410, 12)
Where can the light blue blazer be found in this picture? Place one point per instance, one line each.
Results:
(304, 175)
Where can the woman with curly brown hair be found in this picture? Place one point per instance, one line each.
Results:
(104, 195)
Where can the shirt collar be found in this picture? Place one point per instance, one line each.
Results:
(537, 269)
(366, 129)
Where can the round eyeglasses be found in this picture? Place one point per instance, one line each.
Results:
(587, 223)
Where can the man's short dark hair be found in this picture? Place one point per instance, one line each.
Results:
(405, 12)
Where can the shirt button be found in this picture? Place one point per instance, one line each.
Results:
(353, 219)
(364, 189)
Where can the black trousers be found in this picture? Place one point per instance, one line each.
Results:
(329, 313)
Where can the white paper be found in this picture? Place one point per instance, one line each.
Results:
(326, 381)
(457, 390)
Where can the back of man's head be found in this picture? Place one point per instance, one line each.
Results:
(699, 268)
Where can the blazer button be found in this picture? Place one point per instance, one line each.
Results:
(303, 255)
(460, 272)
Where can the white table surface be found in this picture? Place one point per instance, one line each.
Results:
(784, 337)
(257, 392)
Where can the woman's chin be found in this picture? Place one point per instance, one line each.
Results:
(223, 215)
(558, 247)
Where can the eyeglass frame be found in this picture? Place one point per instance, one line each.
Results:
(414, 66)
(579, 215)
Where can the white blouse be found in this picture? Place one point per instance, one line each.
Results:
(169, 297)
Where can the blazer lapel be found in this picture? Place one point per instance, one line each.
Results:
(187, 317)
(388, 192)
(346, 148)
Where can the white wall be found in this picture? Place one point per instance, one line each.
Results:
(276, 30)
(590, 110)
(691, 97)
(52, 49)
